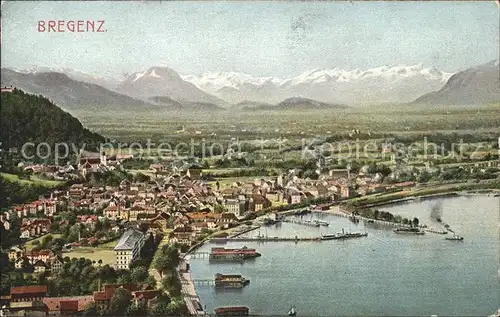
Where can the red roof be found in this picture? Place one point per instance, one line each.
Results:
(99, 296)
(56, 303)
(69, 305)
(147, 294)
(31, 289)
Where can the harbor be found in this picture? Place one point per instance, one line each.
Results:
(285, 268)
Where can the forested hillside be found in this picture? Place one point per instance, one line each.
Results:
(31, 118)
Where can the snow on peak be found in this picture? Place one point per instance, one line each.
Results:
(321, 84)
(153, 74)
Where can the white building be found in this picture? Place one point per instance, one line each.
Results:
(128, 248)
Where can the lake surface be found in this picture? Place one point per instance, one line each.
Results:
(382, 274)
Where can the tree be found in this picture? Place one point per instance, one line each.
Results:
(120, 302)
(139, 274)
(415, 222)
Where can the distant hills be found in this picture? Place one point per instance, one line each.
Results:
(30, 118)
(476, 85)
(71, 94)
(295, 103)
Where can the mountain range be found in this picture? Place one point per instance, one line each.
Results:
(162, 87)
(476, 85)
(398, 84)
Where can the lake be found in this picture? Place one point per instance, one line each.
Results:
(382, 274)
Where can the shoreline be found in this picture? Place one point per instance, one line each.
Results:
(186, 275)
(452, 192)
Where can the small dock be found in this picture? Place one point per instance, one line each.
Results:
(301, 222)
(199, 255)
(204, 282)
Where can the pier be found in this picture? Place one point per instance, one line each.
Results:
(200, 255)
(271, 239)
(204, 282)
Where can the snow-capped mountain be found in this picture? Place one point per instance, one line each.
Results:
(376, 85)
(163, 81)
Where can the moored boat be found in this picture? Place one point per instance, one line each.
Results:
(342, 235)
(321, 222)
(232, 311)
(223, 254)
(230, 281)
(409, 230)
(455, 238)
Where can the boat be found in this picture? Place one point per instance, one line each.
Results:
(409, 230)
(329, 236)
(342, 235)
(230, 281)
(321, 222)
(455, 238)
(292, 311)
(223, 254)
(232, 311)
(354, 219)
(436, 231)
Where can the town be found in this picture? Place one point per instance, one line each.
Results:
(127, 235)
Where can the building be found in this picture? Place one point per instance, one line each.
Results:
(15, 253)
(63, 306)
(259, 202)
(40, 266)
(128, 248)
(28, 293)
(140, 294)
(56, 264)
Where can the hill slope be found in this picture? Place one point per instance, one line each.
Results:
(477, 85)
(29, 118)
(296, 103)
(71, 94)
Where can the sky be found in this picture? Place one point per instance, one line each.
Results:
(281, 39)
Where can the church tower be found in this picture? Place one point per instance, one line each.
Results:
(103, 158)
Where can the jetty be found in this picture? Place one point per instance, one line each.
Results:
(271, 239)
(346, 214)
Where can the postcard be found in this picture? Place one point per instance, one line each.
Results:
(250, 158)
